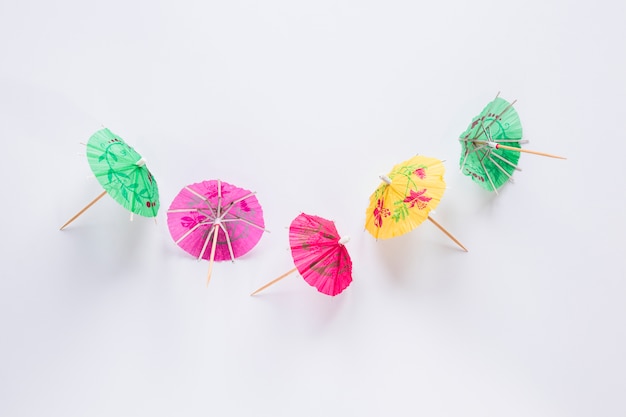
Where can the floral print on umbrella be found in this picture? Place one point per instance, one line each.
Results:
(408, 192)
(417, 198)
(379, 212)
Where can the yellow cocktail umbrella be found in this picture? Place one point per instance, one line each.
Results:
(405, 197)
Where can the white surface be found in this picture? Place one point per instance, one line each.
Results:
(307, 103)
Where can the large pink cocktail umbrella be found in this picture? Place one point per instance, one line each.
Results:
(319, 255)
(214, 212)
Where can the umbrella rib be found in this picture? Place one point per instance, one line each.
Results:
(203, 198)
(188, 232)
(500, 157)
(237, 218)
(479, 148)
(500, 141)
(476, 149)
(206, 243)
(307, 229)
(186, 210)
(509, 140)
(467, 152)
(328, 254)
(507, 108)
(230, 246)
(219, 198)
(484, 154)
(322, 244)
(304, 231)
(340, 260)
(487, 132)
(488, 176)
(482, 129)
(232, 203)
(493, 161)
(478, 132)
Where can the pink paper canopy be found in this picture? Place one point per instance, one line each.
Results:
(319, 255)
(198, 208)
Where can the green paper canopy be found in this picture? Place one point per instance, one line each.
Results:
(123, 173)
(486, 165)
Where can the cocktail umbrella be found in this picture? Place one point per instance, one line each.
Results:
(319, 254)
(405, 197)
(214, 212)
(123, 174)
(491, 145)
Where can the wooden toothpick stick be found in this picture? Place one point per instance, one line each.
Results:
(447, 233)
(83, 210)
(511, 148)
(274, 281)
(212, 255)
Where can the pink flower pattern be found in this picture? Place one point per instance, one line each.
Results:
(417, 198)
(420, 172)
(190, 222)
(380, 212)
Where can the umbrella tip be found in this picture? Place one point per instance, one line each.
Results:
(141, 162)
(344, 240)
(385, 178)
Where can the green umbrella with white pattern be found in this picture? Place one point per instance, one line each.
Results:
(491, 145)
(123, 174)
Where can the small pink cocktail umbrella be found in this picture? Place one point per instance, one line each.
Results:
(319, 255)
(217, 213)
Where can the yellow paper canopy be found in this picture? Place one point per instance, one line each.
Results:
(405, 197)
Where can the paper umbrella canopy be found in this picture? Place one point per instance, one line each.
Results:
(491, 145)
(123, 174)
(405, 197)
(215, 220)
(319, 255)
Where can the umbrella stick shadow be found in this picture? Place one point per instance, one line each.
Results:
(483, 202)
(474, 199)
(302, 305)
(105, 250)
(399, 256)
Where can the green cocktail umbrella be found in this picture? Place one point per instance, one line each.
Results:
(123, 174)
(491, 145)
